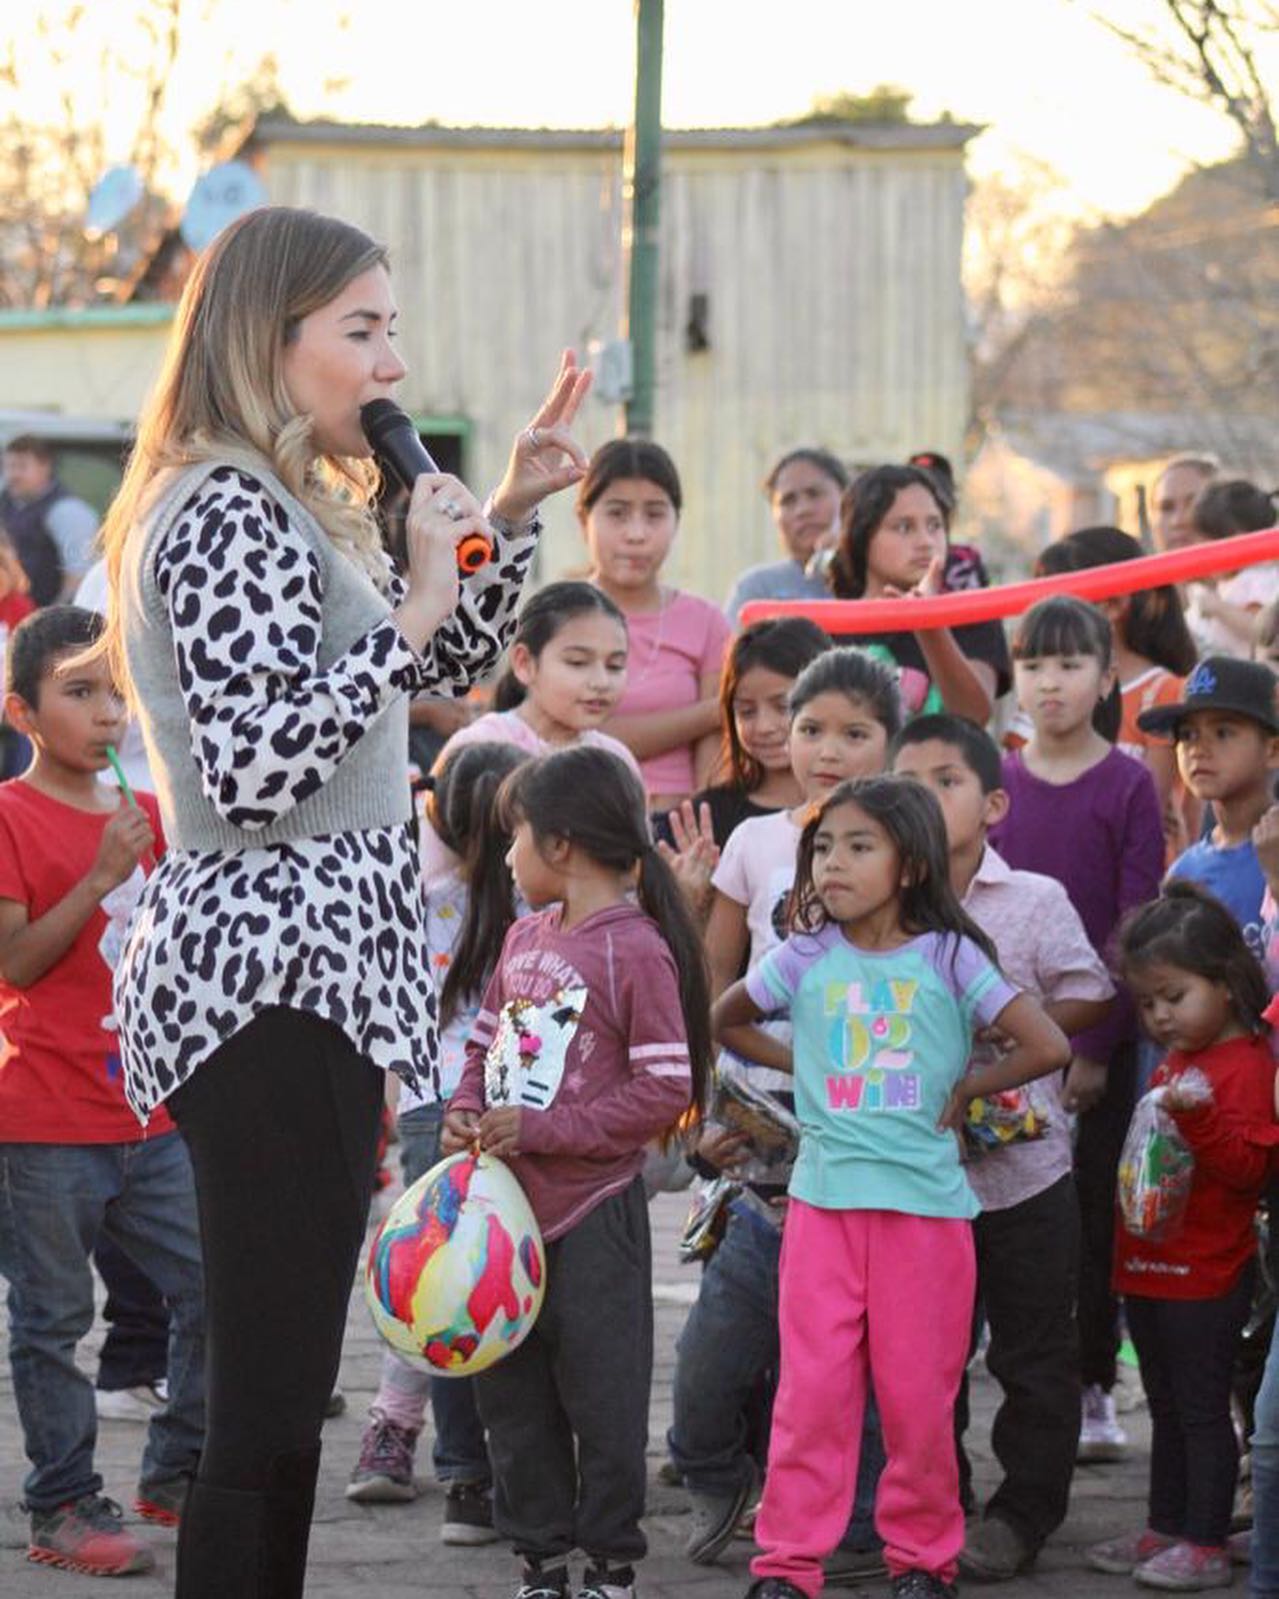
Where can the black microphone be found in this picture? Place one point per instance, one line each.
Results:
(394, 438)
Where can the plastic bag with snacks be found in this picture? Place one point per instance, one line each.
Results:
(707, 1219)
(770, 1130)
(994, 1121)
(1157, 1166)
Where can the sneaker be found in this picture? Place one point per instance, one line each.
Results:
(994, 1551)
(87, 1536)
(1186, 1568)
(163, 1502)
(131, 1404)
(851, 1567)
(543, 1582)
(383, 1474)
(921, 1585)
(774, 1588)
(715, 1518)
(745, 1528)
(1100, 1435)
(602, 1583)
(468, 1514)
(1121, 1556)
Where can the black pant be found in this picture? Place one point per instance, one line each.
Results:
(1098, 1144)
(282, 1123)
(1027, 1260)
(135, 1351)
(567, 1413)
(1186, 1350)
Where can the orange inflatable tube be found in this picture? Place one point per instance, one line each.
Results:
(917, 615)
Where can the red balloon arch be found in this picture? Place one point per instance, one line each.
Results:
(915, 614)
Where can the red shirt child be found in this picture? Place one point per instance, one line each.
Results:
(1230, 1138)
(60, 1080)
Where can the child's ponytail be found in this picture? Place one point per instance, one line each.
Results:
(661, 898)
(465, 814)
(591, 798)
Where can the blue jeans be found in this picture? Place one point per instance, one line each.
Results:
(55, 1199)
(1264, 1583)
(729, 1343)
(460, 1453)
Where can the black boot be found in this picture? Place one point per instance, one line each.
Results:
(249, 1543)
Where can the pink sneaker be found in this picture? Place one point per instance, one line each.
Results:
(1121, 1556)
(1186, 1568)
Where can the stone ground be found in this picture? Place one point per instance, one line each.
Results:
(393, 1551)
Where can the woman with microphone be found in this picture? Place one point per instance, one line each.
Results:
(275, 967)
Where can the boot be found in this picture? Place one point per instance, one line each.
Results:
(249, 1543)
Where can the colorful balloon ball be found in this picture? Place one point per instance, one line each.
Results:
(457, 1270)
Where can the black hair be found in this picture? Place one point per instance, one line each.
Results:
(857, 675)
(911, 816)
(781, 644)
(812, 455)
(867, 501)
(1190, 928)
(1154, 624)
(39, 638)
(590, 798)
(622, 459)
(940, 470)
(974, 744)
(463, 811)
(1064, 625)
(541, 619)
(1232, 506)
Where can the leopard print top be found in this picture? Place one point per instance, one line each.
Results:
(333, 925)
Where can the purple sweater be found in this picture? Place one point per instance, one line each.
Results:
(1102, 838)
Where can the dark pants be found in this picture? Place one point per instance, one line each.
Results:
(1186, 1349)
(135, 1352)
(282, 1123)
(567, 1412)
(1098, 1143)
(1027, 1258)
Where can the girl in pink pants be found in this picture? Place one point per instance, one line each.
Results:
(886, 980)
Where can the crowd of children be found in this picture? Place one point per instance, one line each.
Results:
(671, 857)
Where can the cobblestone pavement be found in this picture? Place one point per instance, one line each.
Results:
(394, 1552)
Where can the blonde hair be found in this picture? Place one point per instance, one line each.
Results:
(221, 392)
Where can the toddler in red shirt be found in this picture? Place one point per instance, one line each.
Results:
(1201, 995)
(74, 1162)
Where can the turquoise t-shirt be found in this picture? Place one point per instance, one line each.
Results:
(880, 1039)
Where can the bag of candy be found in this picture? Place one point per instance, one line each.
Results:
(997, 1120)
(1157, 1166)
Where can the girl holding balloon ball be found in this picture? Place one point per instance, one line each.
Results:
(593, 1039)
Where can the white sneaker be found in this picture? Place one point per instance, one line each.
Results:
(131, 1404)
(1100, 1435)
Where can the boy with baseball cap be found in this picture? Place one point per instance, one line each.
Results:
(1226, 735)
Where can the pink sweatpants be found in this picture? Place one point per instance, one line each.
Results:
(867, 1293)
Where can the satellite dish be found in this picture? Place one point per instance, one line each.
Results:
(224, 192)
(111, 199)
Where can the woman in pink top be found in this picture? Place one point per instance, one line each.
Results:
(668, 716)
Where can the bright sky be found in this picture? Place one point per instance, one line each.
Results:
(1044, 76)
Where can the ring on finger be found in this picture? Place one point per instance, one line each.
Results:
(534, 437)
(452, 510)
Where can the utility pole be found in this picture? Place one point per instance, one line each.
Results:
(641, 201)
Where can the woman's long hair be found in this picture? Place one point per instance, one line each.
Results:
(591, 798)
(911, 816)
(221, 390)
(463, 811)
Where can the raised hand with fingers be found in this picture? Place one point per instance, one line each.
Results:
(695, 854)
(545, 457)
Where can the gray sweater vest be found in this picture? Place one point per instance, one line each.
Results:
(369, 788)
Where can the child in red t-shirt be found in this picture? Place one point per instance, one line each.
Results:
(74, 1161)
(1200, 994)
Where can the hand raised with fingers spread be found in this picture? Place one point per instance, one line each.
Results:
(695, 855)
(545, 457)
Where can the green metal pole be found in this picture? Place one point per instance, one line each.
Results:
(641, 197)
